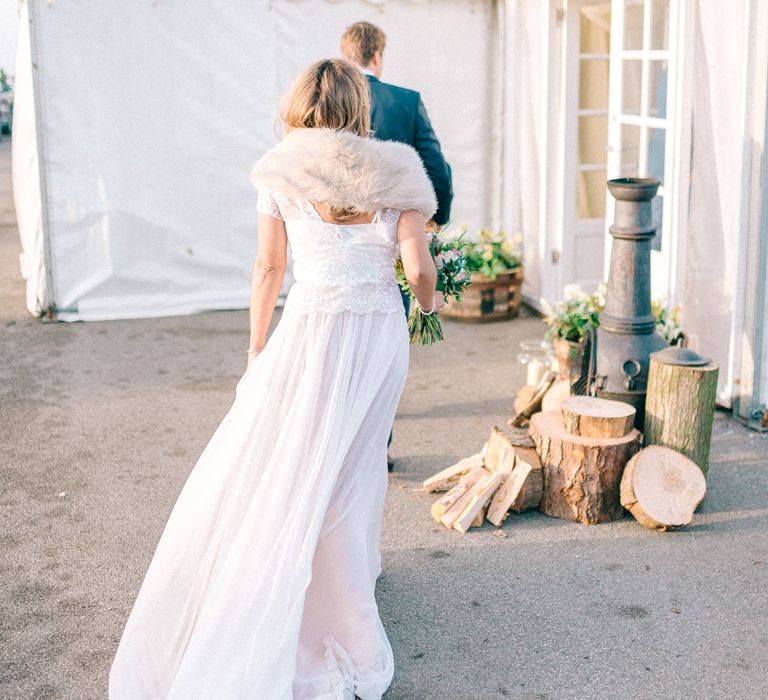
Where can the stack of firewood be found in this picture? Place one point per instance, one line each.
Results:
(581, 463)
(504, 476)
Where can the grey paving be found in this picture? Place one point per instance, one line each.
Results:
(100, 424)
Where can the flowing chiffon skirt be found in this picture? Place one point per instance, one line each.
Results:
(262, 584)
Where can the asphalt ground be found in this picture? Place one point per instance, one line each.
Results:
(100, 424)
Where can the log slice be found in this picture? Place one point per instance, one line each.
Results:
(662, 488)
(589, 416)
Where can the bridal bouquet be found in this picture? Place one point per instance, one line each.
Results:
(452, 279)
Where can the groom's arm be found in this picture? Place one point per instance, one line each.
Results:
(428, 147)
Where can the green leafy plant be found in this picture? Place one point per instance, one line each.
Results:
(578, 312)
(493, 253)
(574, 316)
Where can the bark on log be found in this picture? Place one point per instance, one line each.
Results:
(662, 488)
(680, 407)
(502, 447)
(581, 475)
(532, 476)
(601, 418)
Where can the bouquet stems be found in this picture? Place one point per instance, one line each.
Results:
(424, 329)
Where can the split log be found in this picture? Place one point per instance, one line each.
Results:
(522, 418)
(450, 516)
(523, 397)
(662, 488)
(558, 392)
(680, 407)
(448, 478)
(520, 491)
(581, 474)
(531, 475)
(601, 418)
(480, 517)
(502, 447)
(440, 506)
(483, 491)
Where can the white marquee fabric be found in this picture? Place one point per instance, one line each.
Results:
(149, 122)
(151, 114)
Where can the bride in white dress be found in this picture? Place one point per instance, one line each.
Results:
(262, 584)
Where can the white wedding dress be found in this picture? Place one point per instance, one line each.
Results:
(262, 584)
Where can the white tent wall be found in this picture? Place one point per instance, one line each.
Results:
(151, 114)
(26, 176)
(752, 389)
(528, 145)
(720, 266)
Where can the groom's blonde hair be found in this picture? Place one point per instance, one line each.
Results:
(360, 41)
(330, 94)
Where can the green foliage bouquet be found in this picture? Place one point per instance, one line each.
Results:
(452, 280)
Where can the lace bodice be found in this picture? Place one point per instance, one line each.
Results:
(337, 267)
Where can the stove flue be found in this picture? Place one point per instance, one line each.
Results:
(626, 335)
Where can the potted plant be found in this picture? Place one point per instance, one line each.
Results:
(570, 321)
(495, 265)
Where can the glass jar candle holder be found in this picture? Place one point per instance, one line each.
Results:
(535, 359)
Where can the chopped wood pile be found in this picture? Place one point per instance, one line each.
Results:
(505, 476)
(582, 462)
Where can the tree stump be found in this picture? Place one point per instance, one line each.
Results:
(679, 408)
(581, 474)
(662, 488)
(592, 417)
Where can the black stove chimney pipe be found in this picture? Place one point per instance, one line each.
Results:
(626, 335)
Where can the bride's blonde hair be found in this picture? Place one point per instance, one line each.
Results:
(330, 94)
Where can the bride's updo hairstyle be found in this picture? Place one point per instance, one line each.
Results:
(330, 94)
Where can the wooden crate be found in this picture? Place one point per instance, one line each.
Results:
(487, 299)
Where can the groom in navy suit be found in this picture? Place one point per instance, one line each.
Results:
(398, 114)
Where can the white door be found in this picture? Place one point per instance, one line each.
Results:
(640, 126)
(587, 46)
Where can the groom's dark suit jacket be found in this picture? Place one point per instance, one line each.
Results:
(398, 114)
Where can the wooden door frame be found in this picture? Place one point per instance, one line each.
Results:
(677, 153)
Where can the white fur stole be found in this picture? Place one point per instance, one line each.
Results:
(344, 170)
